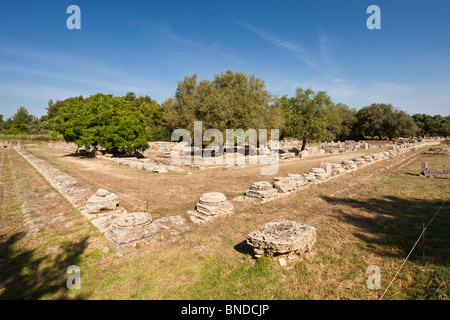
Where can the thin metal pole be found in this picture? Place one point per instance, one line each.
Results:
(423, 242)
(146, 202)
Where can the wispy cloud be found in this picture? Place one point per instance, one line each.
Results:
(297, 50)
(34, 76)
(165, 34)
(324, 44)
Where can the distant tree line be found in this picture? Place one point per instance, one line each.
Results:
(232, 100)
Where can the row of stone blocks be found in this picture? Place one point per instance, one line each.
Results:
(215, 204)
(145, 164)
(266, 191)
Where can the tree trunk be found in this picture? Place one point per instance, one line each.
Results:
(304, 144)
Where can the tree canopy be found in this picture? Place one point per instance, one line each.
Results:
(432, 125)
(233, 100)
(310, 116)
(383, 121)
(102, 120)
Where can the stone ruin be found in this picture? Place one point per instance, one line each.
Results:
(145, 164)
(434, 173)
(262, 190)
(326, 166)
(102, 200)
(285, 184)
(337, 169)
(359, 161)
(442, 151)
(122, 229)
(348, 165)
(6, 144)
(132, 230)
(211, 205)
(368, 158)
(281, 186)
(445, 143)
(319, 173)
(282, 237)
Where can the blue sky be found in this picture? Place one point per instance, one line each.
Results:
(147, 46)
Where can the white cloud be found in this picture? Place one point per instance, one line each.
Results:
(298, 51)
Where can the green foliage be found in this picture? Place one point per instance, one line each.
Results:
(233, 100)
(432, 125)
(348, 117)
(310, 116)
(21, 120)
(102, 120)
(156, 127)
(383, 121)
(53, 107)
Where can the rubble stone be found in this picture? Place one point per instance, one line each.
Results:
(214, 203)
(285, 184)
(348, 165)
(337, 168)
(359, 161)
(326, 166)
(209, 206)
(102, 200)
(130, 228)
(298, 178)
(282, 236)
(368, 158)
(262, 190)
(434, 173)
(319, 173)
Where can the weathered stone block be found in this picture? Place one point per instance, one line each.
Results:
(129, 229)
(284, 185)
(348, 165)
(209, 206)
(326, 166)
(262, 190)
(214, 203)
(359, 161)
(282, 236)
(304, 154)
(102, 200)
(435, 173)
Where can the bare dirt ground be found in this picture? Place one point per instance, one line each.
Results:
(175, 193)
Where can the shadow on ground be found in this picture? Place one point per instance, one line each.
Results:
(244, 248)
(391, 222)
(23, 275)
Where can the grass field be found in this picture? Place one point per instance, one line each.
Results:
(34, 137)
(370, 217)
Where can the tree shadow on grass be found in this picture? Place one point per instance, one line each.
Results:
(392, 222)
(25, 276)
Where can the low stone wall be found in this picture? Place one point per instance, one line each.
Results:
(75, 192)
(283, 186)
